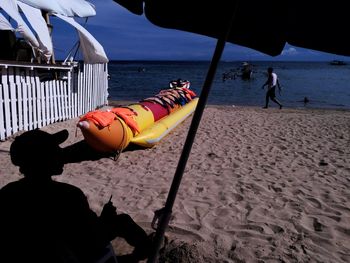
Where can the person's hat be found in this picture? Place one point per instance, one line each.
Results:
(35, 144)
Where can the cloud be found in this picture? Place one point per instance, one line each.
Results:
(291, 51)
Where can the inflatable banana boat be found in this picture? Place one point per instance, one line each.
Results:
(144, 123)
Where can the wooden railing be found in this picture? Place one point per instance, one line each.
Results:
(35, 95)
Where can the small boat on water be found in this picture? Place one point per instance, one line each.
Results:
(144, 123)
(245, 72)
(337, 63)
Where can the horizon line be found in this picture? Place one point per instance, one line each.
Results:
(225, 61)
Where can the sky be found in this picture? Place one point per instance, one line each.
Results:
(126, 36)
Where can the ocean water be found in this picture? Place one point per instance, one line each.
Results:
(325, 85)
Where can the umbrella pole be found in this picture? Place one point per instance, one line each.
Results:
(165, 215)
(167, 210)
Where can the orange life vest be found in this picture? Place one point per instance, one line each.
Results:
(127, 115)
(100, 118)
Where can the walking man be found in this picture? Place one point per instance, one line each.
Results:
(271, 83)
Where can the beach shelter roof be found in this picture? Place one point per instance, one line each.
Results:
(38, 23)
(5, 24)
(265, 26)
(92, 50)
(11, 8)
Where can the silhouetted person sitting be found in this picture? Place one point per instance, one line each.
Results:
(42, 220)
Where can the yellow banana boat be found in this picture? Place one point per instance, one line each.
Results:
(144, 123)
(152, 135)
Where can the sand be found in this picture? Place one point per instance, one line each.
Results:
(260, 185)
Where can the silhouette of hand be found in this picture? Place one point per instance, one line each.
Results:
(109, 211)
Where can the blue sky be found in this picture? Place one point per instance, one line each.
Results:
(126, 36)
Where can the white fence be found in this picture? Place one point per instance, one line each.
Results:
(35, 95)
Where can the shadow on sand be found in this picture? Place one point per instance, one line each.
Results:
(81, 151)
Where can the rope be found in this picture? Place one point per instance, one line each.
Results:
(122, 145)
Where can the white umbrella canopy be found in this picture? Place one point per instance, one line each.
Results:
(78, 8)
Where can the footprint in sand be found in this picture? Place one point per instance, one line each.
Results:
(318, 227)
(323, 163)
(250, 227)
(316, 203)
(212, 155)
(187, 234)
(275, 189)
(237, 197)
(276, 229)
(344, 232)
(190, 235)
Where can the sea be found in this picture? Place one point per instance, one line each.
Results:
(324, 85)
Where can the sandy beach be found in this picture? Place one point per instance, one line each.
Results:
(260, 185)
